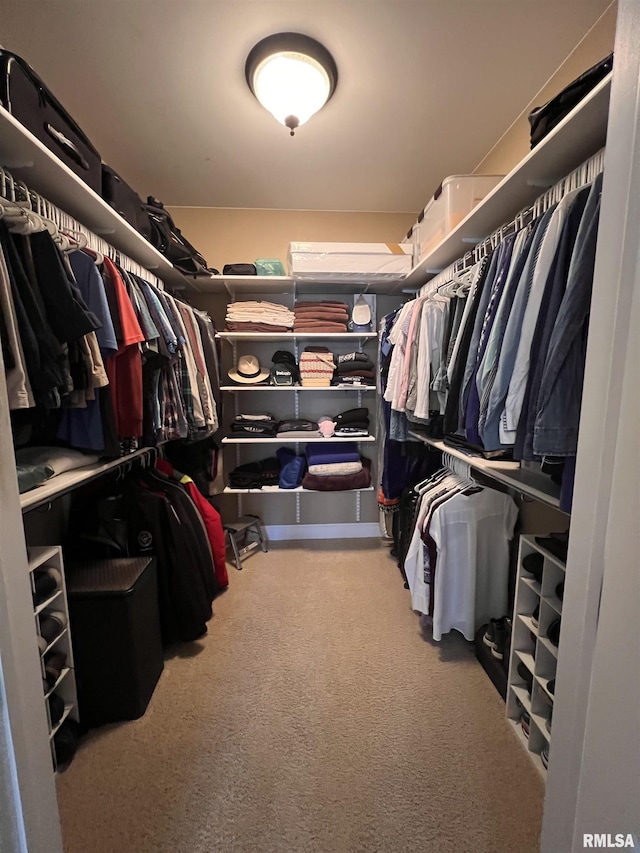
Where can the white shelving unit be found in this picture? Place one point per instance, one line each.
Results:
(297, 440)
(273, 490)
(241, 285)
(295, 388)
(531, 648)
(249, 286)
(292, 336)
(65, 685)
(49, 176)
(527, 481)
(579, 135)
(69, 480)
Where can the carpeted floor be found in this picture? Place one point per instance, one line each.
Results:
(314, 717)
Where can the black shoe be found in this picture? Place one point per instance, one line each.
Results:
(547, 722)
(525, 722)
(544, 756)
(489, 636)
(551, 686)
(502, 632)
(560, 590)
(556, 544)
(526, 676)
(533, 564)
(535, 615)
(553, 632)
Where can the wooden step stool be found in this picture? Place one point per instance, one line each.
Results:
(245, 536)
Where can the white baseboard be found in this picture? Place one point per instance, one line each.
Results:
(362, 530)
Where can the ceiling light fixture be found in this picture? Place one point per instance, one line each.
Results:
(292, 75)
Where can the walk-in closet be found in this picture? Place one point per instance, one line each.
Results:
(318, 407)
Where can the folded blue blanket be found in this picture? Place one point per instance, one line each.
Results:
(331, 452)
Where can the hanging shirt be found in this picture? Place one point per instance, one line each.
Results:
(19, 393)
(488, 365)
(92, 288)
(518, 383)
(511, 339)
(125, 367)
(472, 535)
(416, 557)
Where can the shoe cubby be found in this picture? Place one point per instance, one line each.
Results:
(51, 618)
(534, 650)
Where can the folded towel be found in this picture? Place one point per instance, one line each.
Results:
(336, 468)
(255, 327)
(339, 482)
(332, 452)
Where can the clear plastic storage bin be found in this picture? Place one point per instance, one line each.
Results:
(452, 201)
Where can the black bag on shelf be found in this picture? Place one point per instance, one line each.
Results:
(29, 101)
(543, 119)
(168, 240)
(125, 201)
(239, 269)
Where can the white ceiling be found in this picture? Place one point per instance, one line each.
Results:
(425, 88)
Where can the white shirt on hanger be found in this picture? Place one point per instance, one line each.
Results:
(472, 535)
(416, 561)
(398, 337)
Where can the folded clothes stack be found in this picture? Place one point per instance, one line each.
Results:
(254, 426)
(316, 367)
(354, 368)
(354, 423)
(325, 316)
(298, 428)
(335, 468)
(256, 475)
(258, 317)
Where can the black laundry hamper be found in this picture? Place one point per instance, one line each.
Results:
(115, 631)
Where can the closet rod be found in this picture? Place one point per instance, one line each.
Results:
(584, 174)
(29, 201)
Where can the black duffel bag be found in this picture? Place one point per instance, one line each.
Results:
(25, 96)
(125, 201)
(168, 240)
(544, 119)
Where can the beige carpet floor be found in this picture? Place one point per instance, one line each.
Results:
(314, 717)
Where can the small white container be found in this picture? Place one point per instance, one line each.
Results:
(452, 202)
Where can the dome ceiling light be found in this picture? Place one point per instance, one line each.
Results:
(292, 75)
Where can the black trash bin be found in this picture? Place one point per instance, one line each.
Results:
(115, 631)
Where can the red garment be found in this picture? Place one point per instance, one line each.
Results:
(215, 531)
(124, 369)
(212, 522)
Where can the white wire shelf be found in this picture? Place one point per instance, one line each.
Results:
(280, 388)
(290, 336)
(298, 440)
(578, 136)
(273, 490)
(48, 175)
(524, 480)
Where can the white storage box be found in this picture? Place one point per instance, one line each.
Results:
(453, 200)
(350, 261)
